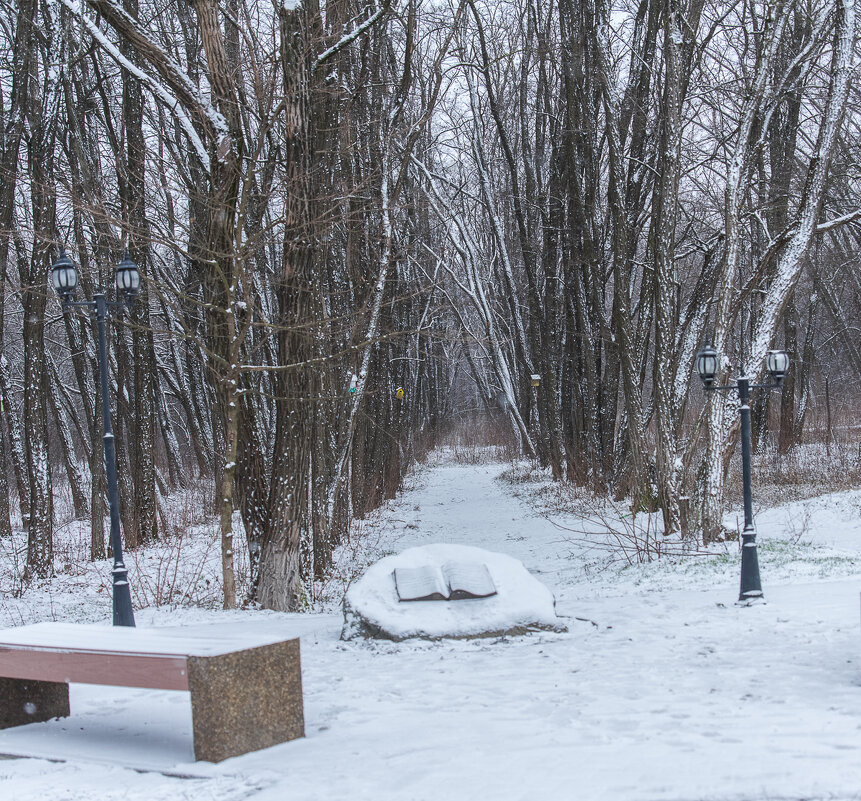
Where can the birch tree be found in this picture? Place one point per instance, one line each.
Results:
(789, 250)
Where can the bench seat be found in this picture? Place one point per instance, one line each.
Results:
(246, 693)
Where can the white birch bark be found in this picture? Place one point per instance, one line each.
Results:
(721, 418)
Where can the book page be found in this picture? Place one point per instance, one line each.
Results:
(420, 584)
(468, 580)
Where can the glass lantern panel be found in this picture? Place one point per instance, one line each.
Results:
(64, 277)
(777, 361)
(707, 365)
(127, 280)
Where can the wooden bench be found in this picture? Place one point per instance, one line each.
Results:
(245, 694)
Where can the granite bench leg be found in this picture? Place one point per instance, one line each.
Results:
(246, 700)
(28, 701)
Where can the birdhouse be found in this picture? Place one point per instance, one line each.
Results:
(399, 393)
(535, 380)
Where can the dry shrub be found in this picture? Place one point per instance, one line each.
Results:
(13, 557)
(480, 439)
(184, 567)
(806, 471)
(615, 536)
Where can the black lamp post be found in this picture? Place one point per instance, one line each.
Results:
(64, 278)
(776, 364)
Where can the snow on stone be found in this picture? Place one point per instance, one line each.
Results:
(522, 603)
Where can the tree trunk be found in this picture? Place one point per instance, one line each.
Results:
(280, 584)
(228, 472)
(23, 55)
(144, 517)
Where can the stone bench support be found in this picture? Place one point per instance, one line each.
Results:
(241, 699)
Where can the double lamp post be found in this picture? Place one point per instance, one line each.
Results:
(64, 278)
(776, 365)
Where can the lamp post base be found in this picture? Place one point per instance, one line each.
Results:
(756, 600)
(123, 614)
(751, 587)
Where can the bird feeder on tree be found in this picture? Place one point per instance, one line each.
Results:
(535, 380)
(399, 393)
(354, 382)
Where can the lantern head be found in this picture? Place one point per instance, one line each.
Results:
(707, 364)
(777, 363)
(127, 279)
(64, 276)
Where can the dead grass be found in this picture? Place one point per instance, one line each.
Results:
(807, 471)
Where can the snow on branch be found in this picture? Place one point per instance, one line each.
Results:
(789, 263)
(160, 91)
(851, 217)
(351, 37)
(179, 86)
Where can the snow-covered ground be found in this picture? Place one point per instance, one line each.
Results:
(662, 688)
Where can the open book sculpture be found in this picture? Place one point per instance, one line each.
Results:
(452, 581)
(508, 599)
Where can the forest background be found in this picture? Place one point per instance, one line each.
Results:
(332, 202)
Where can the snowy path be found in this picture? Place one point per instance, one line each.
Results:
(669, 694)
(466, 504)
